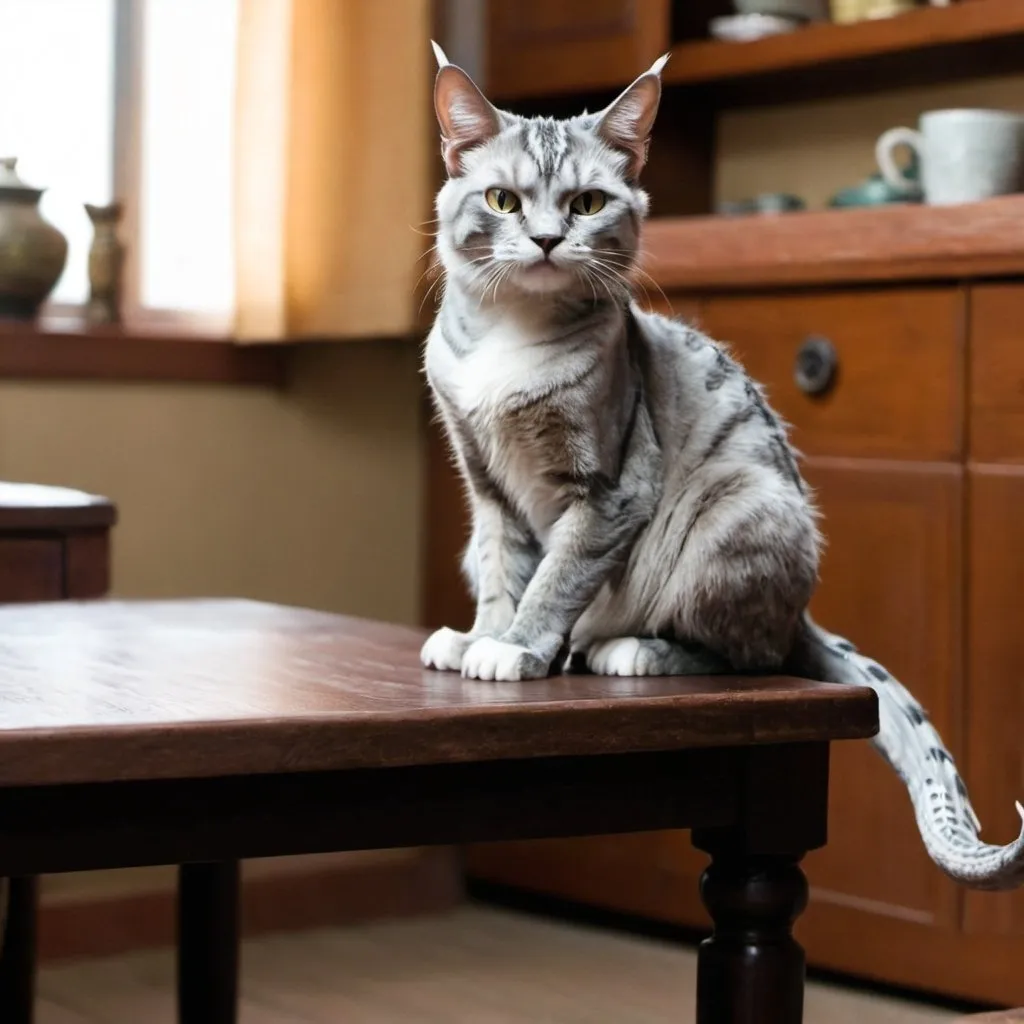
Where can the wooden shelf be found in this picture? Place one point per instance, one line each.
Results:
(893, 243)
(67, 351)
(972, 37)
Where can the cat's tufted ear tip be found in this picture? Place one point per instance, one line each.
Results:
(659, 65)
(439, 55)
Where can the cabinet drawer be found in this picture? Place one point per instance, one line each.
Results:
(997, 373)
(31, 569)
(896, 387)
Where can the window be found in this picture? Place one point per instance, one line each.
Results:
(57, 113)
(133, 100)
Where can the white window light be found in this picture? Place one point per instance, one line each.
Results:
(57, 114)
(186, 258)
(75, 75)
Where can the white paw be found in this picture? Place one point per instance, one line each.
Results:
(508, 663)
(444, 650)
(616, 657)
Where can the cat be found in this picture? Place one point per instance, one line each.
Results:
(637, 508)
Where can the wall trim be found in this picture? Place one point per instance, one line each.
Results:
(429, 882)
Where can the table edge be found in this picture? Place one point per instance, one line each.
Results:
(321, 743)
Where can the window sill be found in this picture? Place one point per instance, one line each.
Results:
(59, 349)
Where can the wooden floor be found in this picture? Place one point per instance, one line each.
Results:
(474, 966)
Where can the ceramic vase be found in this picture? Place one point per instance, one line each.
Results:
(32, 251)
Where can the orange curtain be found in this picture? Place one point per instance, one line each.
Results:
(334, 166)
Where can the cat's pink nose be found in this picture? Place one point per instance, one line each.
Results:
(547, 242)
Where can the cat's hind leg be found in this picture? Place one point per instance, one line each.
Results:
(641, 656)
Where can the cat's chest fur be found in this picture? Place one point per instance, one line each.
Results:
(505, 389)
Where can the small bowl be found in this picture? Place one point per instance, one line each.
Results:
(798, 10)
(745, 28)
(778, 202)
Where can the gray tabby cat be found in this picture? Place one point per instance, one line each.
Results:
(636, 504)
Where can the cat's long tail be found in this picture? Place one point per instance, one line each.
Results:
(911, 745)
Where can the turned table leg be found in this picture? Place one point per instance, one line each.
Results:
(208, 943)
(751, 969)
(18, 953)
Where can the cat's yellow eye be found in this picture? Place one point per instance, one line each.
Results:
(500, 200)
(588, 202)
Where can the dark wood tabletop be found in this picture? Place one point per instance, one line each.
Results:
(103, 691)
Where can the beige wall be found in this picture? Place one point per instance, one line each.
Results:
(311, 496)
(813, 149)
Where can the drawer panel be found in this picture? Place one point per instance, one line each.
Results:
(31, 569)
(997, 373)
(896, 390)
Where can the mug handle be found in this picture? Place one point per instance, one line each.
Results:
(887, 142)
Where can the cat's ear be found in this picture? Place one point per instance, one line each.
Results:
(626, 123)
(464, 114)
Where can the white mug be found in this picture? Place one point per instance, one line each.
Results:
(965, 155)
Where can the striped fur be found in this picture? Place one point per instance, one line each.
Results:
(636, 504)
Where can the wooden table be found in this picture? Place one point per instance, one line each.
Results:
(199, 733)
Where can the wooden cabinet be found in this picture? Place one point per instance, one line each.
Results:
(536, 47)
(891, 579)
(653, 875)
(892, 570)
(997, 374)
(897, 380)
(995, 701)
(995, 625)
(916, 455)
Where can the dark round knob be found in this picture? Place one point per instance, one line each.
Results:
(816, 366)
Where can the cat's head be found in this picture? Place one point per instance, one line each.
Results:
(537, 205)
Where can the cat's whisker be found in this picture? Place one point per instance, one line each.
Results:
(581, 272)
(628, 283)
(502, 277)
(496, 281)
(634, 267)
(429, 251)
(439, 280)
(426, 273)
(602, 279)
(489, 275)
(609, 276)
(617, 272)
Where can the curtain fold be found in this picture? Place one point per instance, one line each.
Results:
(334, 166)
(262, 125)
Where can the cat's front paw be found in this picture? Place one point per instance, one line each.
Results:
(444, 649)
(495, 660)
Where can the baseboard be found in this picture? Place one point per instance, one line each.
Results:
(429, 882)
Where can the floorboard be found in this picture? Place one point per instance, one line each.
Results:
(476, 965)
